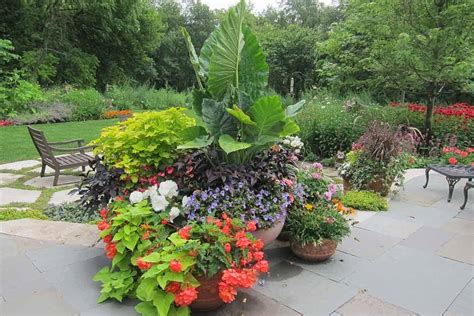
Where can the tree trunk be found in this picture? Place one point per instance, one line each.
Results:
(429, 117)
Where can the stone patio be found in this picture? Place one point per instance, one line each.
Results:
(415, 259)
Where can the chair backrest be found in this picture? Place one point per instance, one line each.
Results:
(42, 145)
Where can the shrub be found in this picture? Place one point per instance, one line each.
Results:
(88, 104)
(146, 139)
(365, 200)
(44, 112)
(16, 95)
(70, 212)
(11, 214)
(144, 97)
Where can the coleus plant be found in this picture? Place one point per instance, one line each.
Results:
(229, 105)
(158, 258)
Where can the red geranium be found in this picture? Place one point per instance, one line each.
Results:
(103, 225)
(227, 292)
(142, 265)
(227, 247)
(175, 266)
(186, 297)
(184, 232)
(173, 287)
(453, 160)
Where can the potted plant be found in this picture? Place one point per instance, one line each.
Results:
(171, 264)
(379, 158)
(315, 230)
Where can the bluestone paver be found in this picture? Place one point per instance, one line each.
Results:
(18, 165)
(418, 281)
(367, 244)
(460, 248)
(365, 305)
(466, 214)
(389, 226)
(304, 291)
(463, 304)
(428, 239)
(460, 226)
(10, 195)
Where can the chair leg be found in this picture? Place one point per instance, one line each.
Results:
(56, 177)
(466, 188)
(43, 168)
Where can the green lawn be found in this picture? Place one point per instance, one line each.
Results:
(16, 144)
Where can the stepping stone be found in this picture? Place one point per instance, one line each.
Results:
(50, 170)
(61, 197)
(60, 232)
(366, 305)
(9, 195)
(18, 165)
(460, 248)
(47, 182)
(7, 178)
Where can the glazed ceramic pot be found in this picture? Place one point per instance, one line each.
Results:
(314, 252)
(208, 293)
(268, 235)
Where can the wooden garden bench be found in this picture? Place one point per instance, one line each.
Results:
(77, 158)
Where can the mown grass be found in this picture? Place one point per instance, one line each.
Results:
(16, 144)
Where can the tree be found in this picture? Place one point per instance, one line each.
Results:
(423, 48)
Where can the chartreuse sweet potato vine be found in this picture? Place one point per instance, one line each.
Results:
(147, 139)
(230, 107)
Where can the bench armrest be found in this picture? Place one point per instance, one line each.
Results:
(77, 149)
(79, 141)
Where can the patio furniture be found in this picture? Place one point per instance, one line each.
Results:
(453, 173)
(469, 185)
(77, 158)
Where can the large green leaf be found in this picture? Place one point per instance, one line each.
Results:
(240, 116)
(226, 53)
(293, 109)
(267, 112)
(253, 68)
(193, 57)
(230, 144)
(217, 120)
(198, 142)
(290, 128)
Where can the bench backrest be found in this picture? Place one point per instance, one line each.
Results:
(42, 145)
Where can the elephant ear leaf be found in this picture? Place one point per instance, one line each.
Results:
(216, 119)
(198, 142)
(241, 116)
(293, 109)
(267, 112)
(230, 144)
(195, 62)
(289, 128)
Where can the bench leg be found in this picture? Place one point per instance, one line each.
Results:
(83, 168)
(56, 177)
(43, 169)
(466, 188)
(427, 174)
(451, 182)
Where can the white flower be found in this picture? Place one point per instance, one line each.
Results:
(185, 201)
(159, 203)
(286, 141)
(136, 197)
(174, 213)
(168, 188)
(297, 151)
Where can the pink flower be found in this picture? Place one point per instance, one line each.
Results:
(316, 176)
(318, 166)
(332, 188)
(327, 196)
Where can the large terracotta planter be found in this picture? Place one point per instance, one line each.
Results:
(208, 293)
(269, 235)
(346, 185)
(377, 185)
(314, 252)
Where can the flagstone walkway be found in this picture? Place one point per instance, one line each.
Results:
(415, 259)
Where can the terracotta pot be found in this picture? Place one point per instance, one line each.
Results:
(269, 235)
(314, 252)
(377, 185)
(346, 185)
(208, 293)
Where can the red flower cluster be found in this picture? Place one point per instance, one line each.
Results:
(110, 250)
(457, 109)
(116, 113)
(6, 123)
(455, 155)
(175, 266)
(142, 265)
(185, 297)
(184, 232)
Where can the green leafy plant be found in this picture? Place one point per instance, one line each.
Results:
(11, 214)
(365, 200)
(146, 139)
(88, 103)
(312, 223)
(229, 105)
(70, 212)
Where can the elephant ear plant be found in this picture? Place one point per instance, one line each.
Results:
(229, 105)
